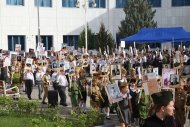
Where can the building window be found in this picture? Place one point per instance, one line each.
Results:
(14, 39)
(69, 3)
(155, 3)
(43, 3)
(71, 40)
(99, 3)
(176, 3)
(15, 2)
(47, 41)
(121, 3)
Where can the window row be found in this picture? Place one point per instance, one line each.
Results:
(70, 40)
(123, 3)
(99, 3)
(65, 3)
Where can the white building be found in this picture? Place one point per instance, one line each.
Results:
(61, 21)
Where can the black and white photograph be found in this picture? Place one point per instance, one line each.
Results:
(19, 58)
(61, 64)
(174, 79)
(105, 68)
(113, 92)
(116, 71)
(92, 68)
(79, 63)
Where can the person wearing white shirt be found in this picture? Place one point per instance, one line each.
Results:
(39, 81)
(186, 58)
(29, 81)
(54, 79)
(63, 83)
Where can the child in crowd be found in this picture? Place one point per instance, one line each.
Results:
(125, 108)
(74, 93)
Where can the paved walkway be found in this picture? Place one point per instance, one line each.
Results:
(66, 110)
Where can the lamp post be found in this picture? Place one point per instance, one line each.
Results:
(86, 34)
(38, 8)
(85, 6)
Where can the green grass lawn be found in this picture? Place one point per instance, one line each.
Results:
(13, 121)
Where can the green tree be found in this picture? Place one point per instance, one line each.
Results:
(90, 39)
(104, 39)
(138, 14)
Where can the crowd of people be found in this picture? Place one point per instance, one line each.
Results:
(65, 71)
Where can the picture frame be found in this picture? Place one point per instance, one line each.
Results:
(151, 86)
(115, 71)
(79, 63)
(104, 68)
(156, 71)
(166, 76)
(92, 68)
(18, 48)
(113, 92)
(174, 80)
(61, 64)
(55, 64)
(19, 58)
(66, 66)
(186, 70)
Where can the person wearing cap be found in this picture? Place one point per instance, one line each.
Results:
(82, 82)
(46, 81)
(164, 111)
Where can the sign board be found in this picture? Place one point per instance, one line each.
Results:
(123, 44)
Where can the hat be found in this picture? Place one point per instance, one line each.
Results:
(162, 98)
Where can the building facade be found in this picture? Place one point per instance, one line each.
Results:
(61, 21)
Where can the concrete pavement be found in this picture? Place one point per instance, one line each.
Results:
(66, 110)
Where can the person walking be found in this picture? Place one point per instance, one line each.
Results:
(39, 82)
(62, 84)
(46, 82)
(29, 81)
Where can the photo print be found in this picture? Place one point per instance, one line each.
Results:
(116, 71)
(92, 68)
(55, 64)
(174, 79)
(113, 92)
(166, 77)
(18, 48)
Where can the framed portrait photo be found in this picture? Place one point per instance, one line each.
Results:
(55, 64)
(174, 80)
(92, 68)
(113, 92)
(116, 71)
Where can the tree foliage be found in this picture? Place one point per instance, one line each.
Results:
(139, 14)
(90, 39)
(104, 39)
